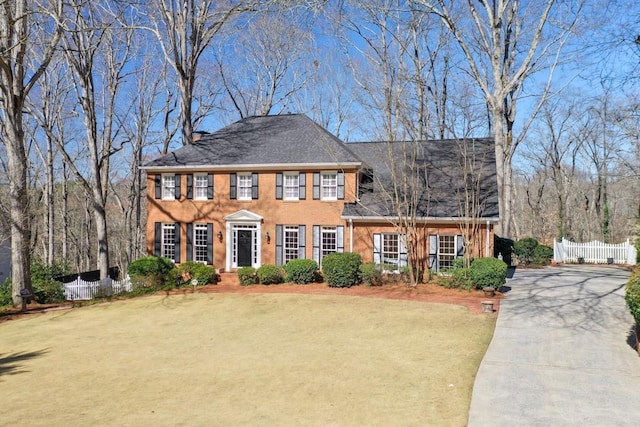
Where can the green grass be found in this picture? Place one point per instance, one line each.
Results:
(231, 359)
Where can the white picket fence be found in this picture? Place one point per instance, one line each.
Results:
(82, 290)
(594, 252)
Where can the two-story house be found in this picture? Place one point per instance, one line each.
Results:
(266, 190)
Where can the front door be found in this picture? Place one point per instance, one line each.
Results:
(245, 247)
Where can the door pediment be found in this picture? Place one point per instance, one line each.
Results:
(243, 216)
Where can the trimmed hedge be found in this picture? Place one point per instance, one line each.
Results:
(204, 274)
(341, 270)
(370, 274)
(301, 271)
(488, 272)
(632, 295)
(153, 272)
(524, 249)
(247, 276)
(269, 274)
(542, 255)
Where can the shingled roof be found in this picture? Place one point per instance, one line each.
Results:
(262, 140)
(439, 168)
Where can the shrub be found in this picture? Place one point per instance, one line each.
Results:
(488, 272)
(152, 272)
(524, 249)
(417, 274)
(5, 293)
(247, 276)
(341, 270)
(542, 255)
(370, 274)
(632, 295)
(46, 290)
(301, 271)
(269, 274)
(461, 278)
(204, 274)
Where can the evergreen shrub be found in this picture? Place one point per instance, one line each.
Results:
(269, 274)
(342, 269)
(152, 272)
(525, 248)
(247, 276)
(632, 295)
(203, 273)
(370, 274)
(301, 271)
(542, 255)
(488, 272)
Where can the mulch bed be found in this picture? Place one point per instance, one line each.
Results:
(425, 292)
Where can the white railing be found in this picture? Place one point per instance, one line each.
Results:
(82, 290)
(594, 252)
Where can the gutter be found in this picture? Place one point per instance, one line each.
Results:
(252, 167)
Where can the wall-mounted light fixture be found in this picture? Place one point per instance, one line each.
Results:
(268, 237)
(219, 235)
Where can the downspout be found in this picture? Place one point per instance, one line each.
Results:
(350, 235)
(487, 242)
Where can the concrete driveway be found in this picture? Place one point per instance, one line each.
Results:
(561, 353)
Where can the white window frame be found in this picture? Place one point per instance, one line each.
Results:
(200, 186)
(200, 243)
(244, 185)
(290, 251)
(168, 241)
(329, 185)
(291, 186)
(325, 233)
(168, 186)
(445, 259)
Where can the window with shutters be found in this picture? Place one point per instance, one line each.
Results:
(291, 186)
(200, 185)
(328, 241)
(168, 186)
(168, 241)
(446, 251)
(290, 247)
(329, 185)
(200, 243)
(244, 186)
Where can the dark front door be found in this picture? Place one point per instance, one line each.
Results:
(244, 248)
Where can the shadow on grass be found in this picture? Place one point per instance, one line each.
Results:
(10, 363)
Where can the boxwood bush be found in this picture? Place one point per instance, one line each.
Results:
(301, 271)
(152, 272)
(488, 272)
(632, 295)
(524, 249)
(370, 274)
(247, 276)
(269, 274)
(204, 274)
(542, 255)
(341, 270)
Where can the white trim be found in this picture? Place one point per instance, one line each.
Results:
(276, 167)
(243, 218)
(195, 185)
(163, 196)
(444, 220)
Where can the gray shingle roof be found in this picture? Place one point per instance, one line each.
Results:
(262, 140)
(439, 168)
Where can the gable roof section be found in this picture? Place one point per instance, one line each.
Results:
(264, 141)
(439, 168)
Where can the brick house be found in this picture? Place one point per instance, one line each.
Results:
(266, 190)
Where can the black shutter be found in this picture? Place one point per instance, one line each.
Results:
(177, 188)
(176, 241)
(302, 241)
(254, 186)
(157, 239)
(233, 182)
(189, 242)
(302, 181)
(190, 186)
(158, 184)
(340, 185)
(210, 243)
(279, 239)
(433, 251)
(210, 186)
(279, 186)
(316, 185)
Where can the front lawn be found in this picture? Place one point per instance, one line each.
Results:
(243, 359)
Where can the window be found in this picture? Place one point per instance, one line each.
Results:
(390, 250)
(328, 241)
(244, 186)
(446, 251)
(290, 247)
(168, 187)
(329, 186)
(168, 241)
(291, 186)
(201, 185)
(200, 243)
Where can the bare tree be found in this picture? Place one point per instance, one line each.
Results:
(27, 30)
